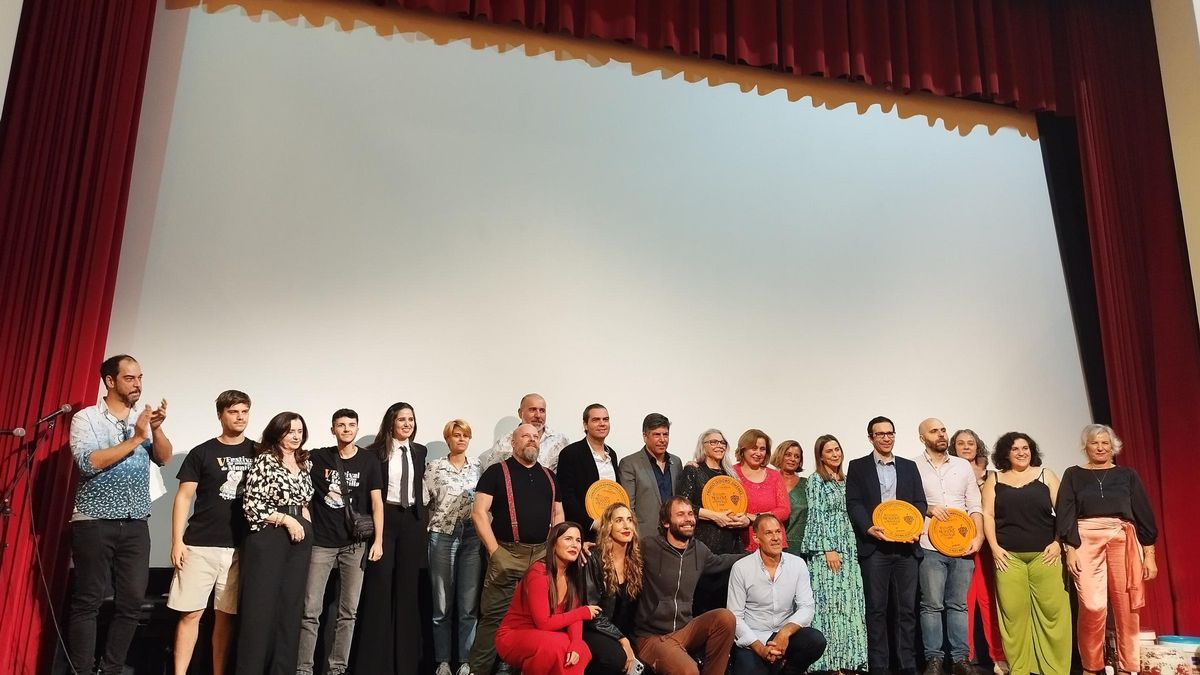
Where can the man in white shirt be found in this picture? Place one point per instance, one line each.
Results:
(584, 462)
(531, 411)
(772, 602)
(949, 482)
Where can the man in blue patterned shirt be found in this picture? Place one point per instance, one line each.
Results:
(113, 443)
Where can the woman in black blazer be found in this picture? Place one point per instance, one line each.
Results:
(388, 634)
(614, 581)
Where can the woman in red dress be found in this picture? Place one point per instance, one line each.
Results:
(542, 632)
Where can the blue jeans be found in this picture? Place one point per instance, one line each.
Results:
(454, 571)
(944, 584)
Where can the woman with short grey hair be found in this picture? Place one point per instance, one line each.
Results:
(1105, 522)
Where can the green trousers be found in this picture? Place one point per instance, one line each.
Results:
(1035, 615)
(505, 568)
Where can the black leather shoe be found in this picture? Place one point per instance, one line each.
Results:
(934, 667)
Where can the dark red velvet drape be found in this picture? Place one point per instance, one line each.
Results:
(1094, 59)
(994, 50)
(1147, 310)
(69, 130)
(66, 151)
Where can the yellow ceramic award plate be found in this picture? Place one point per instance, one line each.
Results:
(899, 520)
(724, 493)
(952, 537)
(602, 494)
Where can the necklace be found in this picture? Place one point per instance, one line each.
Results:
(1100, 481)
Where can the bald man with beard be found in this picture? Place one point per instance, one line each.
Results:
(532, 410)
(512, 532)
(949, 483)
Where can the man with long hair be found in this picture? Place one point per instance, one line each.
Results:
(665, 628)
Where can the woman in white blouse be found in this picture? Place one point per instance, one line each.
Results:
(454, 560)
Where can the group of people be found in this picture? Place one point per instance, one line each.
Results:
(522, 577)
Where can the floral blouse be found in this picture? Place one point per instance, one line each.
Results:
(270, 485)
(450, 493)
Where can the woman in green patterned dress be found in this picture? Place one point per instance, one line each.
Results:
(833, 562)
(789, 459)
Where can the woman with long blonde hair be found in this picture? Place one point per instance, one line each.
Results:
(614, 581)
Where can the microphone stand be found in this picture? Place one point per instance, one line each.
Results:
(26, 467)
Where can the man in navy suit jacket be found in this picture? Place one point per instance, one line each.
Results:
(887, 566)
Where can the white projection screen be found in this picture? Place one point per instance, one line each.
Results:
(322, 216)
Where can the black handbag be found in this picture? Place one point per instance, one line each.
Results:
(360, 525)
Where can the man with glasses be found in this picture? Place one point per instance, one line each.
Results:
(113, 443)
(889, 567)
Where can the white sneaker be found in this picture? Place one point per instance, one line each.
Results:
(442, 669)
(464, 669)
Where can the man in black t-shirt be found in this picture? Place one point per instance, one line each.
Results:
(203, 548)
(341, 475)
(511, 546)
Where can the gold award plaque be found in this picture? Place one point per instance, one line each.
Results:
(952, 537)
(602, 494)
(899, 520)
(724, 493)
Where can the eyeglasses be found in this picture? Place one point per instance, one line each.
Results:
(715, 442)
(884, 434)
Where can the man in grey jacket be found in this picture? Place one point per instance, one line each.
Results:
(665, 631)
(650, 475)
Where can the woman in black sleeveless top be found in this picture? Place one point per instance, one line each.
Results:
(1018, 520)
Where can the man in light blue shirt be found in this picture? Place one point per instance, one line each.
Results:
(113, 443)
(771, 598)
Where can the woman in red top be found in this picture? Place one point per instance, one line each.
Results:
(765, 490)
(542, 633)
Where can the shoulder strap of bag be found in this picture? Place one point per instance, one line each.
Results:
(337, 457)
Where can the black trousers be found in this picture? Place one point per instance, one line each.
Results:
(273, 578)
(891, 576)
(804, 648)
(100, 548)
(608, 658)
(388, 633)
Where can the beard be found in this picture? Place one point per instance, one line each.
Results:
(529, 454)
(678, 533)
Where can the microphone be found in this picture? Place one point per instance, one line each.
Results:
(66, 408)
(18, 432)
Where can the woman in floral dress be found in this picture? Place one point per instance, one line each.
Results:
(833, 562)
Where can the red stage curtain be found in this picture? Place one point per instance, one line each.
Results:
(994, 50)
(66, 151)
(66, 148)
(1147, 311)
(1099, 56)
